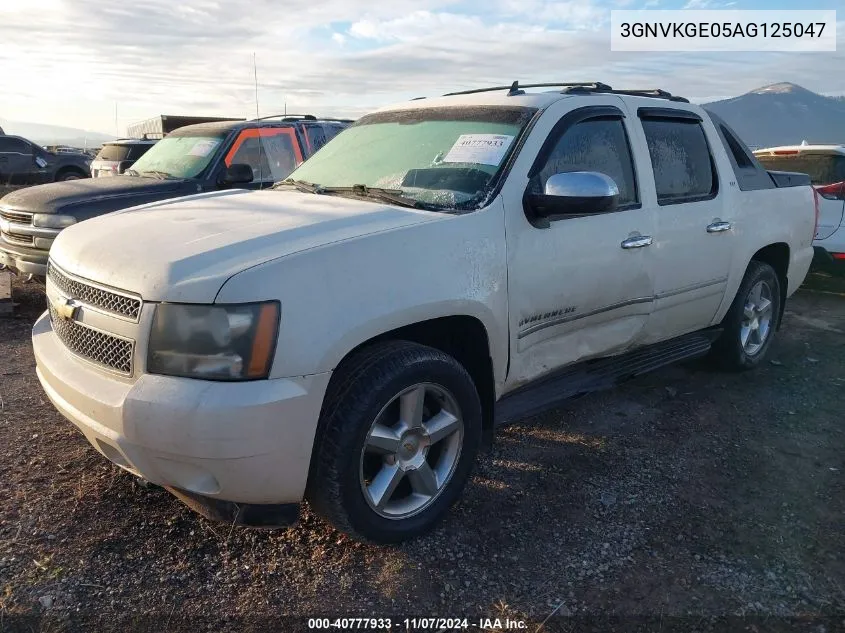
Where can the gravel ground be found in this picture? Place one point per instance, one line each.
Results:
(683, 495)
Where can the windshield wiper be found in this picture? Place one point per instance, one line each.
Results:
(161, 175)
(392, 196)
(300, 185)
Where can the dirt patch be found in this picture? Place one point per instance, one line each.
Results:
(687, 493)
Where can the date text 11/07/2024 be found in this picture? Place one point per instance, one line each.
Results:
(415, 624)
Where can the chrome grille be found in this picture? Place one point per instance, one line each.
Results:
(14, 238)
(18, 217)
(105, 300)
(101, 348)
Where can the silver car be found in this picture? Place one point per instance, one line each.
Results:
(115, 157)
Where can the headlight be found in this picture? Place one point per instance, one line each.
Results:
(50, 221)
(225, 342)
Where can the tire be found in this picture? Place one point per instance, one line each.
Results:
(354, 457)
(69, 175)
(741, 345)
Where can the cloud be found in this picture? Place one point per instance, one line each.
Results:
(577, 14)
(707, 4)
(74, 61)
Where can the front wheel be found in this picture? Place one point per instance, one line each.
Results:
(69, 175)
(749, 326)
(398, 436)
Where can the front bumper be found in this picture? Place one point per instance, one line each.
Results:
(250, 515)
(24, 260)
(246, 442)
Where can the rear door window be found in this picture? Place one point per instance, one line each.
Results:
(681, 160)
(15, 146)
(317, 135)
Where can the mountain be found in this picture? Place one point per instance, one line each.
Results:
(54, 134)
(783, 114)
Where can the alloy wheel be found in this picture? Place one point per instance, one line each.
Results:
(411, 451)
(756, 318)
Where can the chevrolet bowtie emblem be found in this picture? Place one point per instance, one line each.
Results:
(65, 308)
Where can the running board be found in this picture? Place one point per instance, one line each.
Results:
(599, 374)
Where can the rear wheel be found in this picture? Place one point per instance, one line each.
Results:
(69, 175)
(398, 437)
(749, 326)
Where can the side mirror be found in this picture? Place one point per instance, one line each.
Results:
(574, 193)
(123, 165)
(236, 174)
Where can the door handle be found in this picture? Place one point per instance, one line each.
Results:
(638, 241)
(719, 227)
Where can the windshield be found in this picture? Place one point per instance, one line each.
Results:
(442, 157)
(178, 156)
(123, 151)
(113, 152)
(823, 169)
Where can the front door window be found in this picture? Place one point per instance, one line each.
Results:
(272, 153)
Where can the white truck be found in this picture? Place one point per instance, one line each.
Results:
(353, 336)
(825, 164)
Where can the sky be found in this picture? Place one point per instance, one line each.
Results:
(102, 65)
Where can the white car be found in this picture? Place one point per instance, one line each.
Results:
(353, 336)
(825, 165)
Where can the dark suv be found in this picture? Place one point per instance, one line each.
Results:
(190, 160)
(22, 162)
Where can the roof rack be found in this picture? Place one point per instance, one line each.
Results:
(301, 117)
(144, 137)
(332, 119)
(515, 88)
(655, 93)
(586, 87)
(289, 117)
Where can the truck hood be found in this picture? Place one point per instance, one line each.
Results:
(185, 250)
(94, 196)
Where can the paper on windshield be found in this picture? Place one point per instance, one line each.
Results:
(479, 149)
(204, 147)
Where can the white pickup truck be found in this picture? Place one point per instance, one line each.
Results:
(353, 336)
